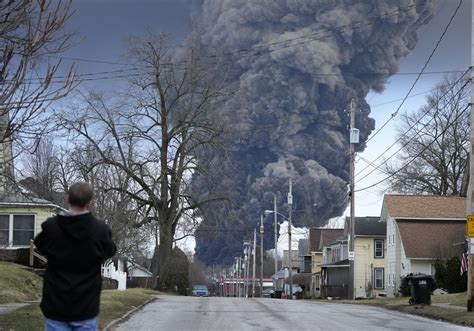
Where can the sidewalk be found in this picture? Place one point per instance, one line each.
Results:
(8, 307)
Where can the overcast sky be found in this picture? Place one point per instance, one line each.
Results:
(102, 25)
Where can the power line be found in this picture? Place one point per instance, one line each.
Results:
(340, 28)
(419, 75)
(416, 156)
(413, 126)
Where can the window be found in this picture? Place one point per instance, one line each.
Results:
(378, 275)
(17, 230)
(378, 248)
(4, 230)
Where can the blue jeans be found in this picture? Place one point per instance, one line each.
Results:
(87, 325)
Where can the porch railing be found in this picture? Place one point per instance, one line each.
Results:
(34, 253)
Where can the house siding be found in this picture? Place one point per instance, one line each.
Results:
(41, 213)
(365, 262)
(423, 267)
(316, 261)
(390, 257)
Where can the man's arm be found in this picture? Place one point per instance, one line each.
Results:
(39, 240)
(109, 247)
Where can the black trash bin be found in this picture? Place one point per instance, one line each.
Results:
(420, 289)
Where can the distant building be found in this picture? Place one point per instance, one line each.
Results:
(295, 259)
(304, 255)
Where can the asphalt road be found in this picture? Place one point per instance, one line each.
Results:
(191, 313)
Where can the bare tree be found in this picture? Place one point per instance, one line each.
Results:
(434, 143)
(31, 35)
(153, 132)
(111, 202)
(42, 172)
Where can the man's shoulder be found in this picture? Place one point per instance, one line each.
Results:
(99, 222)
(50, 221)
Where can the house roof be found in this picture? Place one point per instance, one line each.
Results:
(279, 274)
(319, 237)
(132, 266)
(18, 199)
(368, 226)
(430, 239)
(424, 206)
(342, 263)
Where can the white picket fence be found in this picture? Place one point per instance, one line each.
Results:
(110, 271)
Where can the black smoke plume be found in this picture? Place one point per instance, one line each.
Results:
(297, 64)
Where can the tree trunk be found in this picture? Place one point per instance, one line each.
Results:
(164, 256)
(466, 177)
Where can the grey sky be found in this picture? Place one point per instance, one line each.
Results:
(102, 25)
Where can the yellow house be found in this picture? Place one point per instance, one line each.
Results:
(369, 262)
(21, 218)
(370, 252)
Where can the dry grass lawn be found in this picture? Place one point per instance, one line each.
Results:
(114, 304)
(18, 284)
(453, 315)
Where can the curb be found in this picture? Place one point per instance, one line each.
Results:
(111, 325)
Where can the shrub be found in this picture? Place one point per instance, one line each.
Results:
(448, 275)
(404, 289)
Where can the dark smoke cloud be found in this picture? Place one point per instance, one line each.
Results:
(288, 119)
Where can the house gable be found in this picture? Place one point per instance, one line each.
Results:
(320, 237)
(431, 239)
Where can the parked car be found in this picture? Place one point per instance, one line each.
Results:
(200, 291)
(268, 293)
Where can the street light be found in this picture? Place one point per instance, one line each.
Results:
(275, 212)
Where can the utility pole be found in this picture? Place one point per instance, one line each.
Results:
(224, 279)
(261, 256)
(239, 278)
(276, 233)
(354, 139)
(290, 203)
(248, 269)
(470, 193)
(245, 269)
(254, 256)
(233, 279)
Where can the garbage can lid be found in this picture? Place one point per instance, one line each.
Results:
(420, 277)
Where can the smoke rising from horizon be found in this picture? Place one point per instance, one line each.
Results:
(288, 119)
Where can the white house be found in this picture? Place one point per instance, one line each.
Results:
(420, 229)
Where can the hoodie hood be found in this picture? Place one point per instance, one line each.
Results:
(76, 226)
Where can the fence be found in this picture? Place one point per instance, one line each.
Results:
(110, 271)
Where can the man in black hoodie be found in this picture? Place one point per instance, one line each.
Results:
(75, 244)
